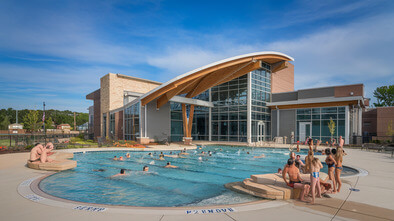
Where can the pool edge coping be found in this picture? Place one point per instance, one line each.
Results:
(30, 190)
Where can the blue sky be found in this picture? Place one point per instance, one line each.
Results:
(56, 51)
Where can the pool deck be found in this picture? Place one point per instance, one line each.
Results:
(374, 201)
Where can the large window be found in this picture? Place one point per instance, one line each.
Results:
(230, 112)
(132, 121)
(104, 125)
(112, 125)
(261, 94)
(319, 119)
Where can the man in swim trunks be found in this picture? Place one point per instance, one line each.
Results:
(295, 178)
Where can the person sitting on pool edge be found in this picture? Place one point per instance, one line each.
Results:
(122, 173)
(295, 179)
(301, 164)
(170, 166)
(145, 169)
(41, 153)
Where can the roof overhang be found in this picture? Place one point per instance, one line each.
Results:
(317, 102)
(199, 80)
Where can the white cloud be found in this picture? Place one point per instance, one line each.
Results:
(360, 52)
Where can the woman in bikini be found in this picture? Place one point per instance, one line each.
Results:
(330, 161)
(315, 178)
(338, 166)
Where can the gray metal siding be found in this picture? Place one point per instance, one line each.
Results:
(273, 123)
(288, 96)
(158, 121)
(316, 93)
(287, 123)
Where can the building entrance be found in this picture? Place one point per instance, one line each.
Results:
(305, 130)
(260, 131)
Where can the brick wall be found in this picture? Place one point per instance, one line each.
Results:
(385, 116)
(345, 91)
(283, 80)
(119, 125)
(112, 87)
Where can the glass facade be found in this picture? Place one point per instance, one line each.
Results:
(318, 119)
(229, 116)
(104, 125)
(132, 121)
(112, 125)
(261, 93)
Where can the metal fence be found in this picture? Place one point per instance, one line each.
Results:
(17, 141)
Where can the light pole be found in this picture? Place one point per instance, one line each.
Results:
(43, 122)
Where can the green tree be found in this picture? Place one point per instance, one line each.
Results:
(31, 121)
(48, 123)
(384, 95)
(4, 123)
(331, 127)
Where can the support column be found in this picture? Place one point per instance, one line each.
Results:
(187, 124)
(249, 110)
(347, 125)
(190, 120)
(277, 121)
(210, 117)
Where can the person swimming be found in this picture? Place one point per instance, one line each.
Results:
(122, 173)
(170, 166)
(98, 170)
(127, 155)
(121, 158)
(161, 156)
(115, 158)
(145, 169)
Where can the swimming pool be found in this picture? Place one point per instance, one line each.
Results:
(198, 180)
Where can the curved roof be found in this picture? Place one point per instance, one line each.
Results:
(199, 80)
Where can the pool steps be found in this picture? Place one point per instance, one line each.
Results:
(268, 186)
(61, 162)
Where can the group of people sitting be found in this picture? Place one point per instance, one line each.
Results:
(315, 185)
(40, 153)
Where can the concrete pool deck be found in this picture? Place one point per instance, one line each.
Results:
(374, 201)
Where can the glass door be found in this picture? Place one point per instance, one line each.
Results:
(305, 131)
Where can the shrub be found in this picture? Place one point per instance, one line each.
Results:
(81, 136)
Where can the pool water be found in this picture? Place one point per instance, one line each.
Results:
(197, 181)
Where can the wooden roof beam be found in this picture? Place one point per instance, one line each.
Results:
(279, 66)
(207, 83)
(211, 79)
(193, 76)
(163, 99)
